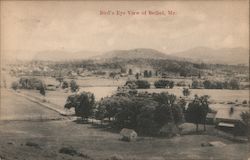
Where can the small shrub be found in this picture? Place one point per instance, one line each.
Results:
(244, 102)
(32, 144)
(73, 86)
(65, 84)
(142, 84)
(186, 92)
(181, 84)
(14, 85)
(68, 150)
(138, 84)
(164, 84)
(42, 90)
(161, 84)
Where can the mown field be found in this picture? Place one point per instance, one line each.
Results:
(47, 138)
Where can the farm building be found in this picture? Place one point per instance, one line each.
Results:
(229, 119)
(128, 134)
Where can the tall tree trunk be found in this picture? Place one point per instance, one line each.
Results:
(204, 125)
(197, 127)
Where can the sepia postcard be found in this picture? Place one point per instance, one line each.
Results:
(124, 80)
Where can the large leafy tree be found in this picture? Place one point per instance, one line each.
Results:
(83, 104)
(197, 111)
(73, 86)
(234, 84)
(246, 119)
(144, 112)
(42, 90)
(186, 92)
(168, 110)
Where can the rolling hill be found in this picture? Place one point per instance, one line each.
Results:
(139, 53)
(232, 56)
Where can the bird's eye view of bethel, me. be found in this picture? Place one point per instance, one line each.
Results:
(124, 80)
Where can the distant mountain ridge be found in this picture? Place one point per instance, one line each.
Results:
(234, 56)
(137, 53)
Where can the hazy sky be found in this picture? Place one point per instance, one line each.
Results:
(28, 27)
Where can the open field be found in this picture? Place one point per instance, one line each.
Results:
(217, 96)
(14, 107)
(49, 137)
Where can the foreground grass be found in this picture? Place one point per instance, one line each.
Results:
(46, 139)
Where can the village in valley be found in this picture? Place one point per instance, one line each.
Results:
(137, 98)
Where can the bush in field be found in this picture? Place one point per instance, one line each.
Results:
(197, 84)
(42, 90)
(160, 84)
(142, 84)
(138, 84)
(164, 84)
(65, 84)
(60, 80)
(244, 102)
(101, 73)
(14, 85)
(234, 84)
(181, 84)
(197, 111)
(171, 84)
(83, 104)
(24, 83)
(130, 72)
(31, 83)
(131, 85)
(73, 86)
(137, 75)
(186, 92)
(112, 74)
(213, 84)
(145, 74)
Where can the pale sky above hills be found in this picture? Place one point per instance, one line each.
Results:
(29, 27)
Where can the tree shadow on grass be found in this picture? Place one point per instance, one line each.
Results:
(100, 126)
(81, 121)
(104, 127)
